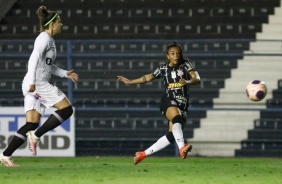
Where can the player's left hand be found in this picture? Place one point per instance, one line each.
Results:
(182, 82)
(72, 75)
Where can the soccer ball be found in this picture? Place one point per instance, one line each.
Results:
(256, 90)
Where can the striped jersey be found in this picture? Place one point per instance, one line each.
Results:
(171, 77)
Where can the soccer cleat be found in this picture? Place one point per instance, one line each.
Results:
(33, 141)
(184, 150)
(7, 161)
(139, 156)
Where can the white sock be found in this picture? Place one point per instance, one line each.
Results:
(178, 134)
(157, 146)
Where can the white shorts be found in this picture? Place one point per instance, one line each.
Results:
(49, 96)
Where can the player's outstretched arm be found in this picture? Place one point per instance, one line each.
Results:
(141, 80)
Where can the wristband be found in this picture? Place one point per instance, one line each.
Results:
(144, 79)
(188, 82)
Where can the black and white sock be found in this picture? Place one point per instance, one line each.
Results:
(54, 120)
(19, 138)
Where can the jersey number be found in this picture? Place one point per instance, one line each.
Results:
(49, 61)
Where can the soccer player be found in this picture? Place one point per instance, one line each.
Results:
(177, 75)
(38, 92)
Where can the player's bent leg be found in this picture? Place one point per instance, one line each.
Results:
(54, 120)
(19, 138)
(51, 123)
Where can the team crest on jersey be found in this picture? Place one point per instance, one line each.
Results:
(180, 73)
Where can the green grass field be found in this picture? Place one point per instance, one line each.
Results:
(153, 170)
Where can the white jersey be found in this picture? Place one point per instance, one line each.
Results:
(41, 64)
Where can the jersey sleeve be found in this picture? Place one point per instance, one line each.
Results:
(157, 73)
(188, 65)
(40, 45)
(55, 70)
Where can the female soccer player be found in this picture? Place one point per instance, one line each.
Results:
(38, 92)
(177, 75)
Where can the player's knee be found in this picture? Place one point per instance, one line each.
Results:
(177, 119)
(170, 137)
(65, 113)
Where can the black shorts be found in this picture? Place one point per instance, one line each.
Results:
(167, 102)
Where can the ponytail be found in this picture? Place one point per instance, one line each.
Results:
(45, 17)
